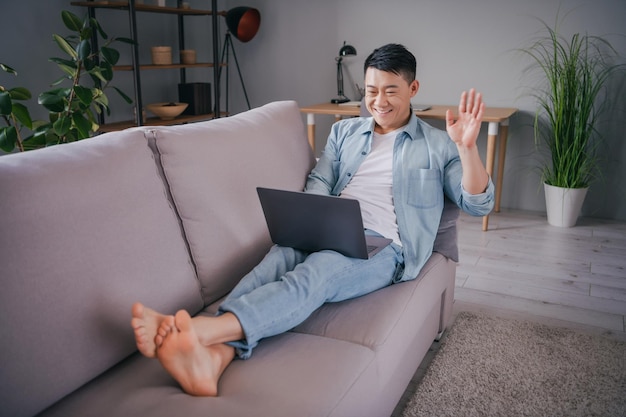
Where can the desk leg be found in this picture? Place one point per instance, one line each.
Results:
(492, 134)
(310, 124)
(504, 131)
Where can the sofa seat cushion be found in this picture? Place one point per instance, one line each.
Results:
(289, 375)
(370, 320)
(86, 229)
(213, 169)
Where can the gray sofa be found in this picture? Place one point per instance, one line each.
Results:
(169, 216)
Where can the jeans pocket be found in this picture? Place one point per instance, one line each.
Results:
(399, 273)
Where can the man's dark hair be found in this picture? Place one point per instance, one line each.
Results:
(394, 58)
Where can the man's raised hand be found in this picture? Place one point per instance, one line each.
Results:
(464, 131)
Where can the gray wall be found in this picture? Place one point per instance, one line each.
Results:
(459, 44)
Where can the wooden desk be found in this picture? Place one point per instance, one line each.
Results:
(496, 117)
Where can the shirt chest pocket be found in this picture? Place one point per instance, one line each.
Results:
(425, 188)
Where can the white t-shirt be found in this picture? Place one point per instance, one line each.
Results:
(371, 186)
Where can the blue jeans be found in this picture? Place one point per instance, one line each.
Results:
(288, 285)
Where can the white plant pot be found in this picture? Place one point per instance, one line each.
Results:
(564, 204)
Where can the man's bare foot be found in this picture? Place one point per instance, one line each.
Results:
(197, 368)
(165, 328)
(146, 324)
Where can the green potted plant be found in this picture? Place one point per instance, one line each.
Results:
(14, 114)
(571, 99)
(72, 109)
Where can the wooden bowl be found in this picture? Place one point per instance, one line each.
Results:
(167, 111)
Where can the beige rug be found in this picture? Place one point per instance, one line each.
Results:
(487, 366)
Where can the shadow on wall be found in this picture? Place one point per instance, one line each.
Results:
(607, 193)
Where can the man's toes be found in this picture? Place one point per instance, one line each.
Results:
(137, 310)
(183, 321)
(166, 326)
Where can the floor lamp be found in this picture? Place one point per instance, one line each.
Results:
(346, 50)
(243, 23)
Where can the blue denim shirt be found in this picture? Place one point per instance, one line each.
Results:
(426, 165)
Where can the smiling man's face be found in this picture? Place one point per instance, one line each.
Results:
(388, 99)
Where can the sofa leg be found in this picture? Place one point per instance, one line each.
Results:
(443, 316)
(439, 335)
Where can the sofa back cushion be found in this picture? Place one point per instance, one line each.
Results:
(213, 169)
(85, 229)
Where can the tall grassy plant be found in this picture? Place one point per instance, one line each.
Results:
(576, 73)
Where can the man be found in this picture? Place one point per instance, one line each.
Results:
(398, 167)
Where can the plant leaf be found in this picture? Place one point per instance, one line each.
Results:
(86, 33)
(83, 49)
(65, 62)
(110, 55)
(89, 64)
(106, 70)
(52, 101)
(96, 24)
(69, 70)
(96, 72)
(101, 99)
(84, 94)
(70, 137)
(82, 125)
(126, 40)
(35, 141)
(8, 138)
(6, 104)
(65, 46)
(62, 125)
(51, 138)
(20, 93)
(60, 80)
(7, 68)
(21, 113)
(123, 95)
(71, 21)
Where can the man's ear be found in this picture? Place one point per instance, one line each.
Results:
(414, 87)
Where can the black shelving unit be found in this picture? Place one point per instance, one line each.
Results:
(136, 67)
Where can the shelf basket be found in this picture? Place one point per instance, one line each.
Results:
(161, 55)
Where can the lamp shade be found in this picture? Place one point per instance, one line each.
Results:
(347, 50)
(243, 22)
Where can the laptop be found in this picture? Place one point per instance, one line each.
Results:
(313, 222)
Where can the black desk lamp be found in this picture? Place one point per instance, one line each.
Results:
(346, 50)
(243, 23)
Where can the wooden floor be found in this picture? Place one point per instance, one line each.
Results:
(523, 268)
